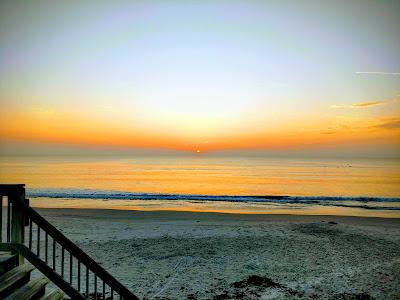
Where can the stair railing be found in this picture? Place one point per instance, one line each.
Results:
(62, 261)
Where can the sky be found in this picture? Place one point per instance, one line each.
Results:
(200, 75)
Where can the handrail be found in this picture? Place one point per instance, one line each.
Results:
(19, 215)
(76, 251)
(44, 268)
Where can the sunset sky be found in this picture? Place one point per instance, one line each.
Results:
(201, 75)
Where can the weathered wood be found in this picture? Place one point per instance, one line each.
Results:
(1, 218)
(14, 279)
(6, 189)
(78, 253)
(53, 295)
(7, 261)
(8, 228)
(19, 212)
(17, 216)
(26, 217)
(45, 270)
(79, 276)
(34, 288)
(17, 198)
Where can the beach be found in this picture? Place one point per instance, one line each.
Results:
(191, 255)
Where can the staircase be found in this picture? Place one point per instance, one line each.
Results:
(16, 282)
(29, 243)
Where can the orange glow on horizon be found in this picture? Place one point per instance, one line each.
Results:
(78, 129)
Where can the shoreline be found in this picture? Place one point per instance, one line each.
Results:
(213, 207)
(255, 216)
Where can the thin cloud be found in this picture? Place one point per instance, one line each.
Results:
(327, 130)
(339, 106)
(380, 73)
(368, 104)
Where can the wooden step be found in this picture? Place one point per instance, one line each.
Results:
(7, 262)
(34, 289)
(14, 279)
(53, 294)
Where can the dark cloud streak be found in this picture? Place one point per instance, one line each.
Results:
(393, 123)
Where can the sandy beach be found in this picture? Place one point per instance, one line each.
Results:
(184, 255)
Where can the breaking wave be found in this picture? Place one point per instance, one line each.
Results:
(359, 202)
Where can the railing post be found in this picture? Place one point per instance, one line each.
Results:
(1, 218)
(17, 218)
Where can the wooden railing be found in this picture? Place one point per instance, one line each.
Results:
(27, 233)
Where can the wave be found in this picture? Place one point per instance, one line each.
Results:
(113, 195)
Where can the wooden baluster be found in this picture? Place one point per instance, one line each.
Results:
(54, 254)
(95, 286)
(46, 242)
(62, 262)
(1, 218)
(38, 241)
(70, 268)
(8, 219)
(30, 234)
(79, 276)
(87, 282)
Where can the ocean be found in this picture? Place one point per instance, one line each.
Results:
(232, 184)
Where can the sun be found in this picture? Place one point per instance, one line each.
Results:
(198, 151)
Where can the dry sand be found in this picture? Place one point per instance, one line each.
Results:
(183, 255)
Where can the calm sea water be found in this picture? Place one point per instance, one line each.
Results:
(205, 183)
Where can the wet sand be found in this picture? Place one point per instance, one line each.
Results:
(184, 255)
